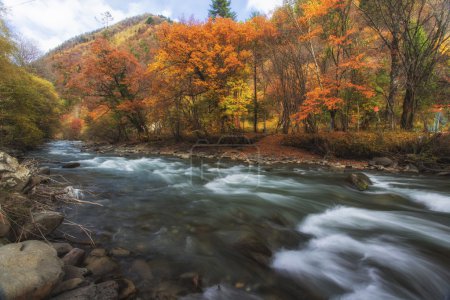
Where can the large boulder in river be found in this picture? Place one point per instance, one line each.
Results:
(29, 270)
(42, 223)
(13, 176)
(359, 181)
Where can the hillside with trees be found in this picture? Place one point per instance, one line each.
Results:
(312, 67)
(24, 97)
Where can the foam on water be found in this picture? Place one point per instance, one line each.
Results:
(433, 201)
(351, 265)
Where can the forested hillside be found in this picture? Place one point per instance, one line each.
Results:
(29, 105)
(311, 66)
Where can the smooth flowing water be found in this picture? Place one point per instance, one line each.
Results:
(328, 240)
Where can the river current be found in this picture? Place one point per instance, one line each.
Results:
(327, 240)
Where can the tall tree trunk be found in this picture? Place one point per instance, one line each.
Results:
(394, 79)
(409, 105)
(255, 94)
(333, 119)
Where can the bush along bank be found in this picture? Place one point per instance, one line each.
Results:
(35, 262)
(405, 151)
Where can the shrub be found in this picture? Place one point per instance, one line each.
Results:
(366, 145)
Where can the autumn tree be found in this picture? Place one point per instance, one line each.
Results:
(384, 17)
(414, 31)
(221, 8)
(260, 31)
(113, 81)
(326, 31)
(425, 38)
(201, 64)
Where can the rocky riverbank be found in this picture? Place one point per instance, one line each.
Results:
(36, 261)
(265, 152)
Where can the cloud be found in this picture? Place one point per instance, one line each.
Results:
(265, 6)
(51, 22)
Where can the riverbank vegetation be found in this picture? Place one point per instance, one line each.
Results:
(29, 105)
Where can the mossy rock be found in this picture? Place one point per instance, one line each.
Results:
(359, 181)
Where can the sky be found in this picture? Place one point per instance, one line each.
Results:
(48, 23)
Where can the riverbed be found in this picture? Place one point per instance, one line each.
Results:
(255, 232)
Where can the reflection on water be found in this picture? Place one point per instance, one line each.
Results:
(224, 221)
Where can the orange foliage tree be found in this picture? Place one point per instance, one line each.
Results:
(197, 64)
(326, 28)
(113, 81)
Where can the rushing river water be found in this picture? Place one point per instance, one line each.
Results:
(328, 241)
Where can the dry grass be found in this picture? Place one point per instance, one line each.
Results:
(52, 193)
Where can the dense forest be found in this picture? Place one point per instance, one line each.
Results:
(311, 66)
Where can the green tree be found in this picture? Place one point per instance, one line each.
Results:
(221, 8)
(29, 105)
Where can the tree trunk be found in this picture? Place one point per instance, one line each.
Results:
(408, 108)
(255, 95)
(394, 80)
(333, 120)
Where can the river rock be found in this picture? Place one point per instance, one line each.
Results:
(410, 168)
(44, 171)
(359, 181)
(127, 289)
(254, 248)
(94, 255)
(142, 269)
(68, 285)
(102, 266)
(71, 272)
(444, 174)
(382, 161)
(120, 252)
(5, 225)
(74, 257)
(62, 248)
(103, 291)
(71, 165)
(98, 252)
(29, 270)
(13, 176)
(43, 223)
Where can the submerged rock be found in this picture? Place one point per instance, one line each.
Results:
(68, 285)
(127, 289)
(102, 266)
(29, 270)
(74, 258)
(120, 252)
(104, 291)
(62, 248)
(254, 248)
(359, 181)
(71, 272)
(71, 165)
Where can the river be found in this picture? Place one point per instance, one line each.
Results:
(327, 240)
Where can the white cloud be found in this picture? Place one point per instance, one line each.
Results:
(51, 22)
(265, 6)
